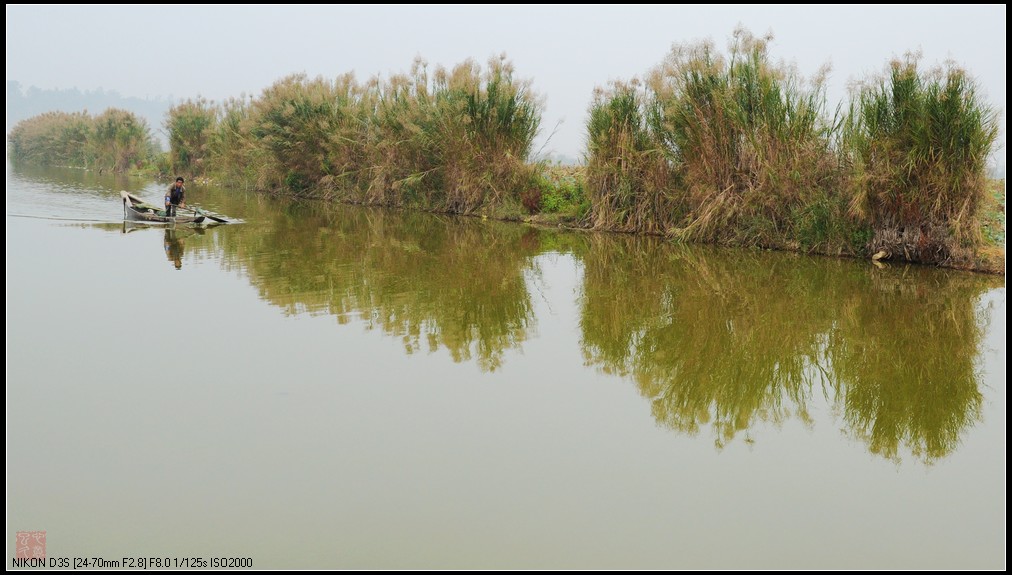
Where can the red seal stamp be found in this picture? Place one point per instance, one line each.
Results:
(30, 545)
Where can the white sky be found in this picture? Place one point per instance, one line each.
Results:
(219, 51)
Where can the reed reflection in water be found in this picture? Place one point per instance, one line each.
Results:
(345, 387)
(433, 282)
(721, 339)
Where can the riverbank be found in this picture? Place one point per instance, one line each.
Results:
(563, 206)
(568, 211)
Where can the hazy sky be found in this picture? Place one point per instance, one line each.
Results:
(218, 51)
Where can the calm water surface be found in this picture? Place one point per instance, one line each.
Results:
(345, 387)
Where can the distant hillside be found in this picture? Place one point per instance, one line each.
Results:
(25, 103)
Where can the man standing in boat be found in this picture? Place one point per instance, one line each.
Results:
(175, 197)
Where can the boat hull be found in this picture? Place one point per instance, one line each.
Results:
(136, 210)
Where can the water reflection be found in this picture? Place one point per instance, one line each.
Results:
(173, 244)
(105, 183)
(718, 341)
(725, 339)
(433, 282)
(905, 352)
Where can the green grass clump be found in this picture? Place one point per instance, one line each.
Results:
(919, 144)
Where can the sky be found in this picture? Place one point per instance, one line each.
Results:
(225, 51)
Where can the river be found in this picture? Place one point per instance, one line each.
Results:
(345, 387)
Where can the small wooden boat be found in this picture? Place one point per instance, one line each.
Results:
(137, 210)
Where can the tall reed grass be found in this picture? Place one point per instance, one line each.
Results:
(114, 140)
(629, 179)
(723, 149)
(455, 140)
(739, 149)
(749, 141)
(919, 144)
(189, 125)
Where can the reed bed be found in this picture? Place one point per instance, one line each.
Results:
(113, 140)
(738, 149)
(454, 140)
(919, 143)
